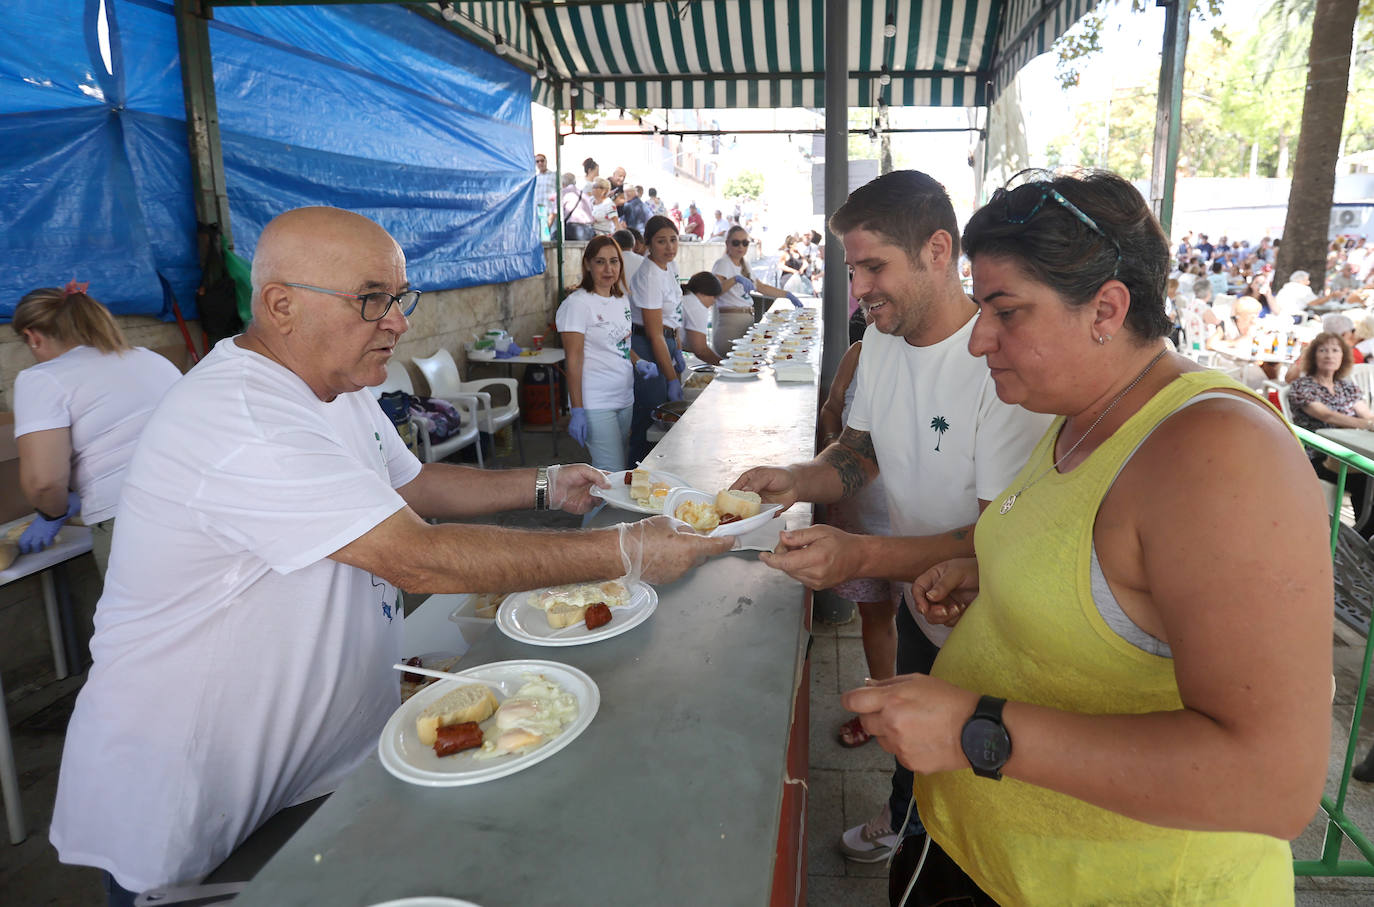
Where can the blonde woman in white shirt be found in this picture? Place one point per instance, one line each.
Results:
(79, 412)
(734, 308)
(594, 323)
(604, 219)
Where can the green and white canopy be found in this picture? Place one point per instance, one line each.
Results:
(686, 54)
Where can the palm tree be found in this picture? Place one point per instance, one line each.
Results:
(1319, 141)
(940, 425)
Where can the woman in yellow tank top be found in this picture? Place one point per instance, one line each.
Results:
(1153, 597)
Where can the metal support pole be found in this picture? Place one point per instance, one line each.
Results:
(1169, 113)
(835, 302)
(558, 200)
(202, 115)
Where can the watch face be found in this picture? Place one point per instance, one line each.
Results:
(986, 744)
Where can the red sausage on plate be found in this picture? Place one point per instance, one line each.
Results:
(454, 738)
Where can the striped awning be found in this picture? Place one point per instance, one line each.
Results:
(684, 54)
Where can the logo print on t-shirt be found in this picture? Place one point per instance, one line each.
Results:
(940, 426)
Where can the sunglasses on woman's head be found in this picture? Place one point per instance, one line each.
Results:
(1025, 201)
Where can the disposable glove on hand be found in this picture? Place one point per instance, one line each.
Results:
(41, 532)
(745, 283)
(510, 352)
(646, 369)
(792, 297)
(577, 427)
(679, 362)
(660, 549)
(675, 390)
(570, 487)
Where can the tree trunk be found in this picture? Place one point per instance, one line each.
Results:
(1314, 168)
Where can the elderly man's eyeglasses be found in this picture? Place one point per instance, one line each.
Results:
(1024, 202)
(374, 305)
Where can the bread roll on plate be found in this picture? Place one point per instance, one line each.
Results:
(470, 702)
(742, 504)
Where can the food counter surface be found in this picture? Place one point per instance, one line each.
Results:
(673, 793)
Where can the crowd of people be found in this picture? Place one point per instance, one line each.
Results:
(1067, 724)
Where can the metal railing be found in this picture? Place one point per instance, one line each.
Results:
(1338, 824)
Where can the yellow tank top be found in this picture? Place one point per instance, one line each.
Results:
(1035, 635)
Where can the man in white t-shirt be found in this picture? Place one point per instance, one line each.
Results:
(720, 228)
(1295, 297)
(244, 641)
(926, 411)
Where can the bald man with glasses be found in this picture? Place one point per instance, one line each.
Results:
(244, 641)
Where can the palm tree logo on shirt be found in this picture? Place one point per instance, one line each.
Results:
(938, 424)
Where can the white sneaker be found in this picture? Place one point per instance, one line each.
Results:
(872, 841)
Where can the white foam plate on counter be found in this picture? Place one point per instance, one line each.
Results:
(404, 756)
(523, 622)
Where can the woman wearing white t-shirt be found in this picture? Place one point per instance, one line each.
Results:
(604, 219)
(734, 308)
(656, 310)
(78, 412)
(703, 291)
(594, 322)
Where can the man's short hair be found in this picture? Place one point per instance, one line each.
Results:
(625, 239)
(1202, 288)
(904, 207)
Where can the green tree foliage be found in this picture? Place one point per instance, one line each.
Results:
(1242, 95)
(745, 184)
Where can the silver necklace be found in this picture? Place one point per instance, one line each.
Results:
(1009, 502)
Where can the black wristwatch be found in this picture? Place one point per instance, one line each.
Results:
(985, 740)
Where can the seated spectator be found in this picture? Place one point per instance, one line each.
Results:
(720, 227)
(1324, 397)
(1364, 337)
(695, 225)
(1296, 297)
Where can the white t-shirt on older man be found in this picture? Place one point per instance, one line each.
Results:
(653, 287)
(943, 438)
(237, 669)
(604, 323)
(735, 297)
(105, 399)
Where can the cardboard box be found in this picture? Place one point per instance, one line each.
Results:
(12, 503)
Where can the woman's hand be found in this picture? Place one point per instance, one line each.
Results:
(945, 591)
(917, 718)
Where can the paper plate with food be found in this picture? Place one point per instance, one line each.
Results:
(488, 722)
(576, 614)
(740, 371)
(728, 513)
(640, 490)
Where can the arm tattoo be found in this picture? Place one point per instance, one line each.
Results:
(847, 457)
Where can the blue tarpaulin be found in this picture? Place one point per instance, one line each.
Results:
(369, 108)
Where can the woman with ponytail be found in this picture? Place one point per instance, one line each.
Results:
(78, 412)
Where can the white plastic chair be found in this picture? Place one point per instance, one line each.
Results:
(1363, 376)
(398, 379)
(441, 372)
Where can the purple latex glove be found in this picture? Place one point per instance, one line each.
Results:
(41, 532)
(675, 390)
(512, 351)
(792, 297)
(679, 363)
(646, 369)
(745, 282)
(577, 426)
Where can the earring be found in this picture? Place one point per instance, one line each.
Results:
(1106, 338)
(1100, 340)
